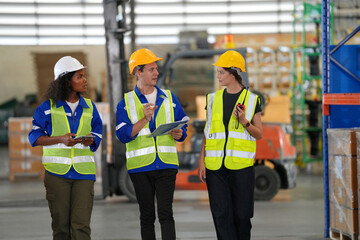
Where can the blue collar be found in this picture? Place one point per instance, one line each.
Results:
(82, 102)
(159, 92)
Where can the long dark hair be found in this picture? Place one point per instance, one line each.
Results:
(236, 75)
(60, 88)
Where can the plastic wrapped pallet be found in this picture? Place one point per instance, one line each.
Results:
(358, 164)
(343, 182)
(24, 160)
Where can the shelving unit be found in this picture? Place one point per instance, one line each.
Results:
(306, 83)
(283, 59)
(267, 67)
(341, 95)
(252, 67)
(341, 99)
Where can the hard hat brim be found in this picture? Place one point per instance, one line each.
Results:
(214, 64)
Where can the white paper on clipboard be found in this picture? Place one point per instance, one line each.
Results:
(163, 129)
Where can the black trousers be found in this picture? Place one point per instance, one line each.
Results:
(231, 196)
(159, 183)
(70, 203)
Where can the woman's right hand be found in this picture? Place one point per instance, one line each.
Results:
(68, 140)
(202, 170)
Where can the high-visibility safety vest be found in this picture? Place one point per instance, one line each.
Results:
(240, 146)
(142, 150)
(58, 158)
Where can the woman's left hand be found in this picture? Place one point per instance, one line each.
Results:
(176, 133)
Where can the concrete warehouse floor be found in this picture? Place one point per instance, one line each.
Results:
(296, 214)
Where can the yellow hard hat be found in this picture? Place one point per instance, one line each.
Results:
(230, 59)
(141, 57)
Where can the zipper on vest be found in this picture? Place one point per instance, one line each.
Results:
(156, 149)
(73, 118)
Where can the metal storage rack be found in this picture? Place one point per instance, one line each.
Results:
(283, 59)
(306, 83)
(333, 97)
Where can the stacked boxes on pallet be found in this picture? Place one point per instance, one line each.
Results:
(343, 181)
(25, 161)
(358, 164)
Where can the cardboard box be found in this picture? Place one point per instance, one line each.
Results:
(358, 161)
(344, 219)
(22, 124)
(200, 107)
(21, 168)
(342, 141)
(343, 180)
(343, 183)
(104, 112)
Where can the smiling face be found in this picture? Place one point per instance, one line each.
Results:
(78, 82)
(149, 75)
(225, 78)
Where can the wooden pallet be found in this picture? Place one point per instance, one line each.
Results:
(335, 234)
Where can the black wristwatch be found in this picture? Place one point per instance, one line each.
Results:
(247, 125)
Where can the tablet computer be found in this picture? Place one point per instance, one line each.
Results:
(84, 137)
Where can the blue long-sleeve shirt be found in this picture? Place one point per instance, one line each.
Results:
(124, 126)
(42, 126)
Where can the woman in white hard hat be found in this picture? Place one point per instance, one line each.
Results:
(228, 149)
(69, 128)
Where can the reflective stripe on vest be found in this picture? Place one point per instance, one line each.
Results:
(240, 145)
(142, 150)
(58, 158)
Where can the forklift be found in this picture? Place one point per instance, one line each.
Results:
(275, 156)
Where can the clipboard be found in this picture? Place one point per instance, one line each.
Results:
(164, 129)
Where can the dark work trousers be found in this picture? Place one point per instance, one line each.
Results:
(159, 183)
(70, 203)
(231, 196)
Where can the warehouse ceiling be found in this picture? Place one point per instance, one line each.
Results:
(80, 22)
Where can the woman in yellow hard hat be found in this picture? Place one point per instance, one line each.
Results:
(228, 150)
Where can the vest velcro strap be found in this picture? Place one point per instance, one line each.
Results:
(240, 154)
(140, 152)
(219, 135)
(58, 145)
(240, 135)
(167, 149)
(53, 159)
(144, 131)
(82, 159)
(211, 153)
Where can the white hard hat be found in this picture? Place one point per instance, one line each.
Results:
(65, 65)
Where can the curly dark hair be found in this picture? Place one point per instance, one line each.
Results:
(60, 88)
(236, 75)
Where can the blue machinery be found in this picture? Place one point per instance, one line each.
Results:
(339, 94)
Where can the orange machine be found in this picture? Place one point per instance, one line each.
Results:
(274, 163)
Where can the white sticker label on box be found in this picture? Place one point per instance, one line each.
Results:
(338, 167)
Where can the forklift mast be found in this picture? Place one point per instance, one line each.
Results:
(115, 28)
